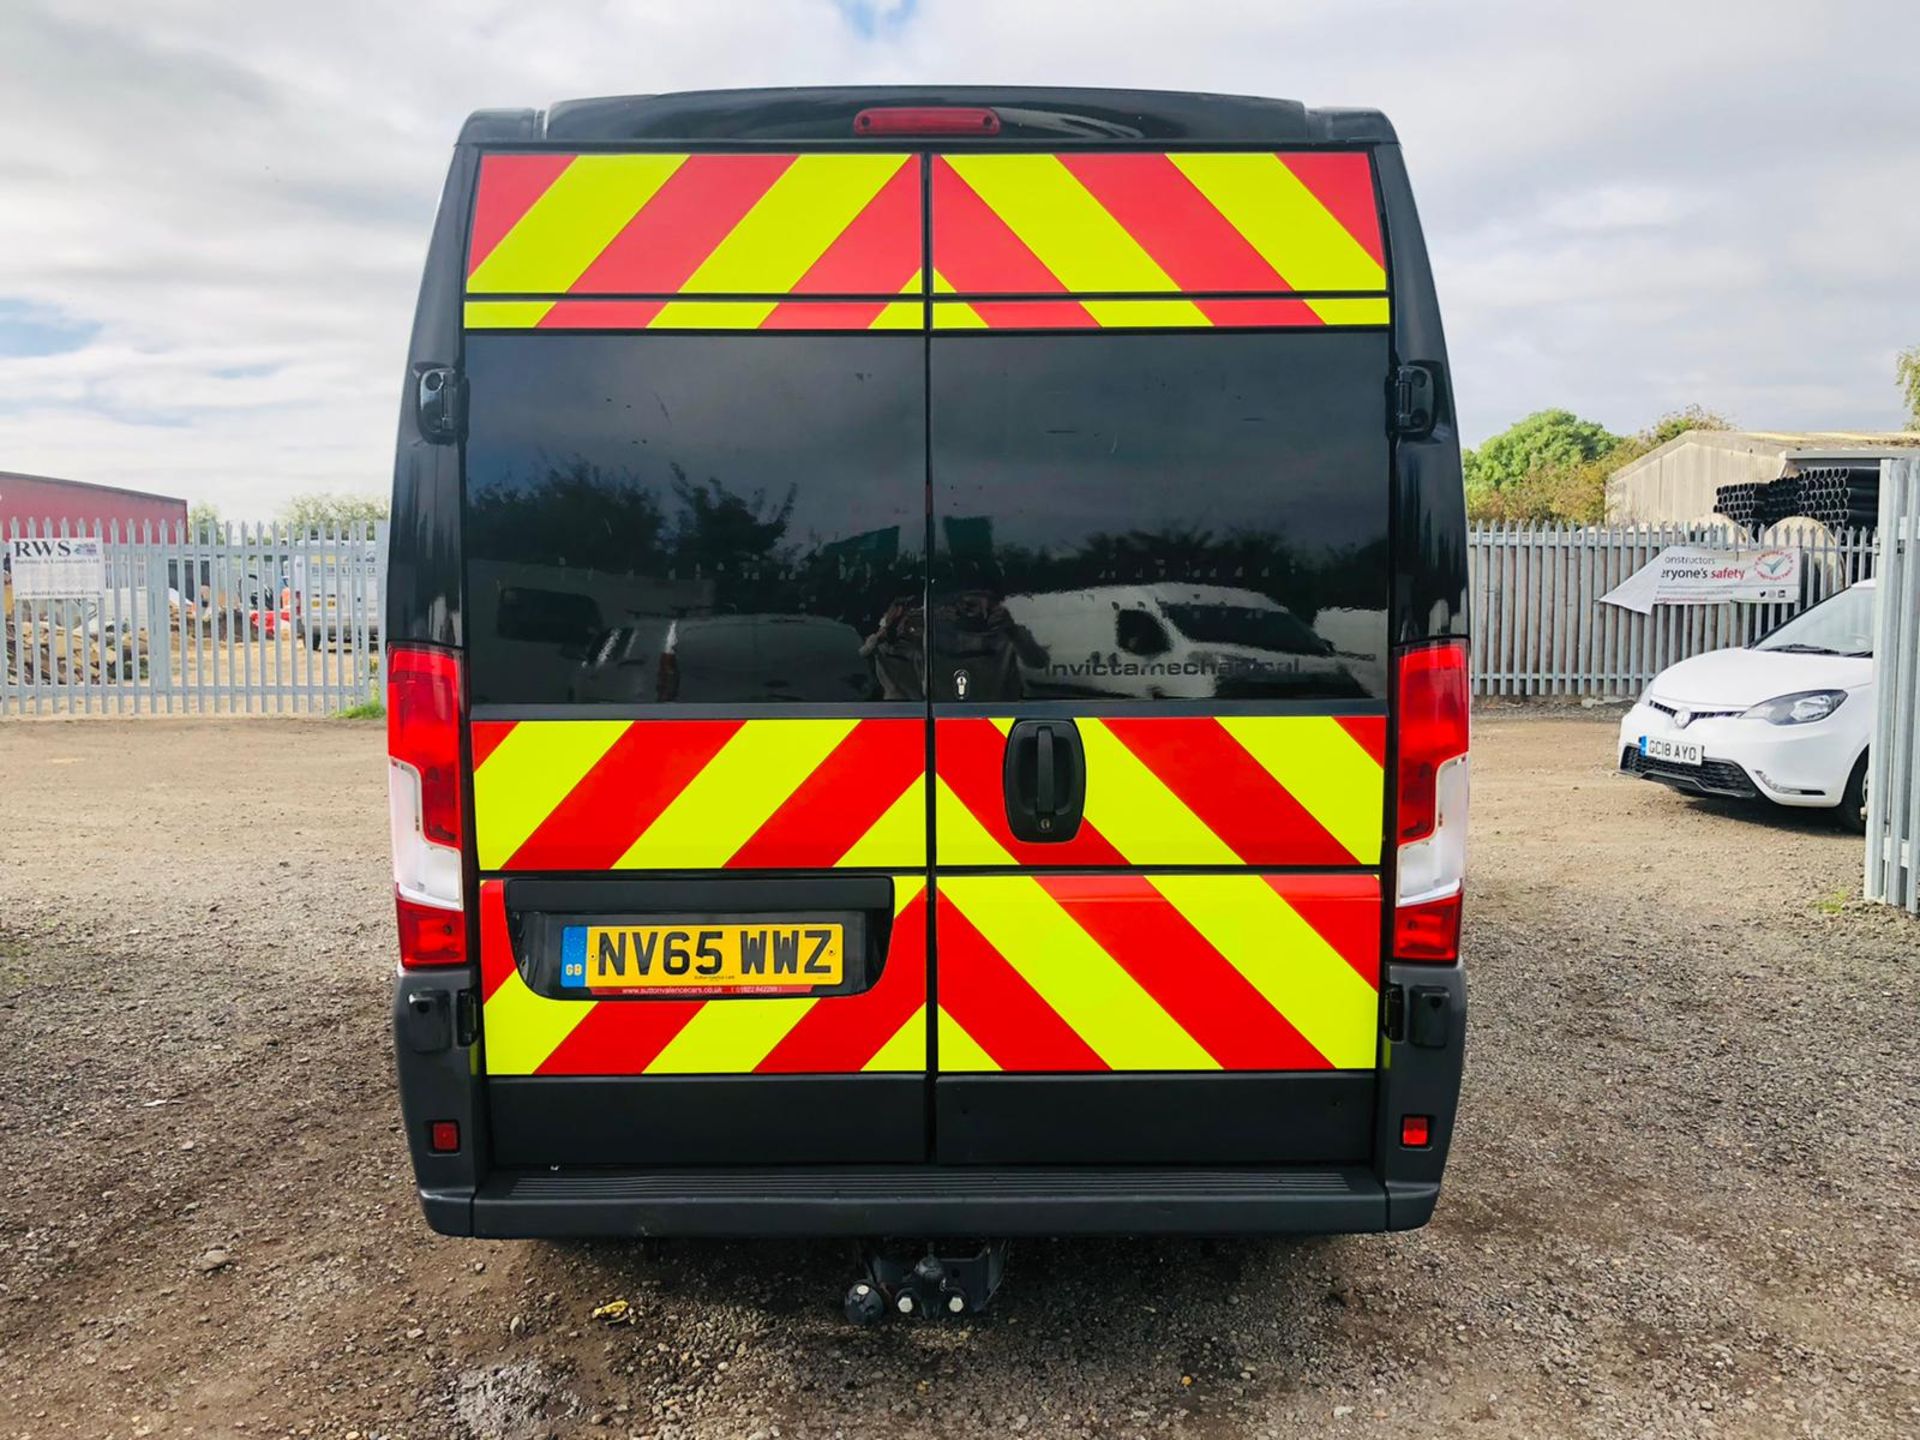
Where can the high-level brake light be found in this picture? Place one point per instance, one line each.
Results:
(1430, 801)
(423, 804)
(926, 120)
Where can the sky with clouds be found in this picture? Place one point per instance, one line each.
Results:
(212, 215)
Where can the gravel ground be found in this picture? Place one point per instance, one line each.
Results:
(1681, 1201)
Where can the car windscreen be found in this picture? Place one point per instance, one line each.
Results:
(1245, 625)
(724, 519)
(1840, 625)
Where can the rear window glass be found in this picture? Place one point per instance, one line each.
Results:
(1150, 517)
(693, 519)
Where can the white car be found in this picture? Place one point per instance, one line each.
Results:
(1785, 719)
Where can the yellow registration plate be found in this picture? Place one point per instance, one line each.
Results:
(753, 957)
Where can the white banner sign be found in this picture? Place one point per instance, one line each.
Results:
(1709, 575)
(57, 569)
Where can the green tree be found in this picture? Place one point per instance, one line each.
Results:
(202, 516)
(1906, 370)
(1546, 439)
(1676, 423)
(332, 511)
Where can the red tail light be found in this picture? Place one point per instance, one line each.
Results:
(424, 808)
(926, 120)
(1430, 800)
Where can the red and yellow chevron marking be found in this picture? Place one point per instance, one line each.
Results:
(879, 1030)
(1140, 224)
(699, 794)
(1198, 313)
(1158, 972)
(707, 224)
(1305, 790)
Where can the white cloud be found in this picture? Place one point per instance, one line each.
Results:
(1631, 206)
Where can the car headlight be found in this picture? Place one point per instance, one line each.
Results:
(1801, 708)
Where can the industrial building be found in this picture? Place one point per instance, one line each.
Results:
(1711, 476)
(41, 498)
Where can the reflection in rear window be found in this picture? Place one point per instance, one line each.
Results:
(698, 519)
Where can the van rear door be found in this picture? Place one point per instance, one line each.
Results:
(695, 484)
(1159, 456)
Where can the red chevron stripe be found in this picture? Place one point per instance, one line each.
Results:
(625, 791)
(975, 250)
(618, 1037)
(879, 251)
(681, 225)
(841, 1033)
(1172, 221)
(1345, 909)
(507, 187)
(1035, 315)
(1342, 180)
(1371, 733)
(496, 944)
(824, 315)
(1175, 964)
(1003, 1013)
(1234, 797)
(601, 314)
(1261, 314)
(485, 736)
(970, 756)
(840, 801)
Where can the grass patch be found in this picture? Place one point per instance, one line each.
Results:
(1834, 902)
(370, 710)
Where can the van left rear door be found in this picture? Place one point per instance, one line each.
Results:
(694, 531)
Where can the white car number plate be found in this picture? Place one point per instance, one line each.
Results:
(1674, 752)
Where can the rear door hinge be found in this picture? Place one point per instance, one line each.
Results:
(1415, 392)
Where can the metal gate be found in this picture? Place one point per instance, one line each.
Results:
(1893, 787)
(229, 620)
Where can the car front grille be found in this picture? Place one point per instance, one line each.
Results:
(1715, 777)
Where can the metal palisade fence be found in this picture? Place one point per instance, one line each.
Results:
(1539, 628)
(231, 619)
(1893, 773)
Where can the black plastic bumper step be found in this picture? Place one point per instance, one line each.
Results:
(927, 1200)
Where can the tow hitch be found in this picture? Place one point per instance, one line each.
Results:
(927, 1287)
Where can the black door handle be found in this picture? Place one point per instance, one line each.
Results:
(1044, 803)
(1045, 779)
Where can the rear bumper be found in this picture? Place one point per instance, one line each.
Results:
(929, 1200)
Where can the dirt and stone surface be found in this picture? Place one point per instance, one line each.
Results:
(1682, 1200)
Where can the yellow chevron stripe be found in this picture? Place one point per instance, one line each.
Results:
(791, 226)
(528, 774)
(956, 315)
(960, 839)
(899, 315)
(1280, 217)
(906, 889)
(959, 1051)
(1146, 314)
(898, 837)
(522, 1029)
(906, 1049)
(1325, 769)
(1056, 217)
(1133, 808)
(712, 315)
(1285, 959)
(1353, 311)
(755, 772)
(1080, 982)
(729, 1037)
(505, 314)
(564, 232)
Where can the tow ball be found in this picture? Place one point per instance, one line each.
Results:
(927, 1287)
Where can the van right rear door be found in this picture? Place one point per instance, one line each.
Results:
(1159, 595)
